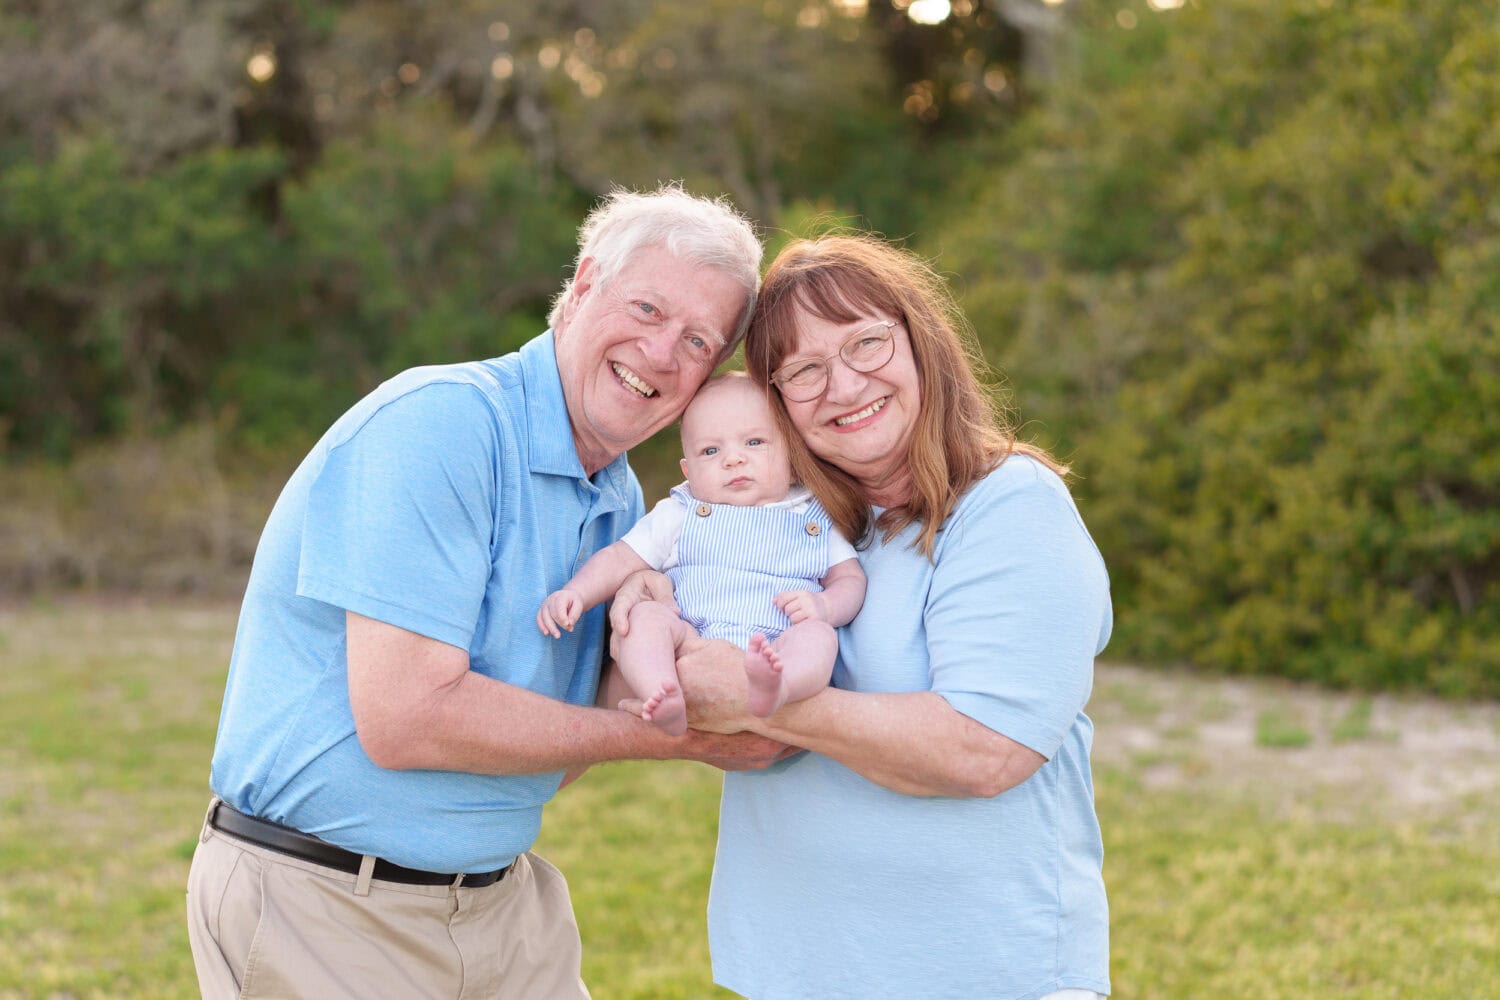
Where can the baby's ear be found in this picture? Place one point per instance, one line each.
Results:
(683, 462)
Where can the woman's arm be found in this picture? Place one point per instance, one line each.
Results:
(913, 743)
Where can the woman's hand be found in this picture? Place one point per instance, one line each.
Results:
(712, 675)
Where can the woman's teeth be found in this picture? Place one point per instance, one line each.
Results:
(868, 411)
(631, 379)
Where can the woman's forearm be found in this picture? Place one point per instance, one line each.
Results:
(914, 743)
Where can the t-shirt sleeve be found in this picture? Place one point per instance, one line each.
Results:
(1019, 607)
(400, 519)
(655, 535)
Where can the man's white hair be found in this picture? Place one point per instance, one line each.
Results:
(708, 232)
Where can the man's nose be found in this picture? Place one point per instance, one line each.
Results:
(659, 346)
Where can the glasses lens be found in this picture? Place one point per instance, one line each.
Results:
(868, 349)
(803, 382)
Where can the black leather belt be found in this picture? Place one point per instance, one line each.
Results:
(286, 840)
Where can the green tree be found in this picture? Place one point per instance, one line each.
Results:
(1239, 265)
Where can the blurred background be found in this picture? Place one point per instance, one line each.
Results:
(1238, 261)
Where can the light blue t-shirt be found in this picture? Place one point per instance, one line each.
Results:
(449, 502)
(829, 886)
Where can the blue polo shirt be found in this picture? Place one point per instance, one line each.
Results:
(448, 502)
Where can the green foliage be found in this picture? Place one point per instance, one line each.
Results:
(121, 288)
(1245, 273)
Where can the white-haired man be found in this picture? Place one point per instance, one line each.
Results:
(393, 722)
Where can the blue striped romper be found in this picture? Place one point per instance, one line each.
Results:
(731, 562)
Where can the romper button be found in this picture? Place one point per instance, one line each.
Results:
(704, 510)
(813, 527)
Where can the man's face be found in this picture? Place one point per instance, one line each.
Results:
(631, 352)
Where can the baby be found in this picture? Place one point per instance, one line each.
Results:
(752, 560)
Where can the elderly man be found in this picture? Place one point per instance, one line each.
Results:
(393, 721)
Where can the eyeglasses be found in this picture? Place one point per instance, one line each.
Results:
(868, 350)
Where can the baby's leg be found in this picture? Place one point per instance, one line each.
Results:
(796, 666)
(648, 659)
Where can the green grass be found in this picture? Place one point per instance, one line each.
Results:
(1281, 727)
(106, 723)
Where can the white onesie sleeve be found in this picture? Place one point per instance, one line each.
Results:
(654, 537)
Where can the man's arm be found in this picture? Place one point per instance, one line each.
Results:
(418, 705)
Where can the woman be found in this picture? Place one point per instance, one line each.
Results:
(939, 840)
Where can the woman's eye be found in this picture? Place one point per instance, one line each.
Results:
(698, 342)
(648, 309)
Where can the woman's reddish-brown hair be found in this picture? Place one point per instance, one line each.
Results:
(962, 434)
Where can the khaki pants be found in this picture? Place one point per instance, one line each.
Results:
(263, 924)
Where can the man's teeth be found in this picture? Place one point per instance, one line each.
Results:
(868, 411)
(631, 379)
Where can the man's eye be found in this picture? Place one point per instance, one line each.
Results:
(648, 309)
(697, 342)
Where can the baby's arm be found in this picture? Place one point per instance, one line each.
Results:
(595, 583)
(843, 593)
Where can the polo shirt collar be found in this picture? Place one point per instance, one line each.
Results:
(551, 449)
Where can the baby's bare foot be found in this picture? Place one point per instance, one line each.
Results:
(666, 709)
(763, 674)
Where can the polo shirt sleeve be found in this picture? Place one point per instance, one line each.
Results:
(400, 518)
(1018, 608)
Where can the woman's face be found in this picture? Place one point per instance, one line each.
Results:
(863, 422)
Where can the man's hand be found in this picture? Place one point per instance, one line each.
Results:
(644, 585)
(735, 751)
(561, 608)
(802, 605)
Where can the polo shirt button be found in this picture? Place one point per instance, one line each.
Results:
(813, 527)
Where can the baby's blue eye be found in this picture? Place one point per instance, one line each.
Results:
(753, 442)
(710, 450)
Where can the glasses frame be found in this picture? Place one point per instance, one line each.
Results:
(823, 363)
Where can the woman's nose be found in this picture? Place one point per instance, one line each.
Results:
(844, 383)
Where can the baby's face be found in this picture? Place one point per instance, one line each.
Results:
(732, 451)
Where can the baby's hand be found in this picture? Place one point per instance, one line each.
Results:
(802, 605)
(561, 608)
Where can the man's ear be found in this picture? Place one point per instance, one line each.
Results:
(583, 278)
(583, 281)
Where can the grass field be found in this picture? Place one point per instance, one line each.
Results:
(1360, 859)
